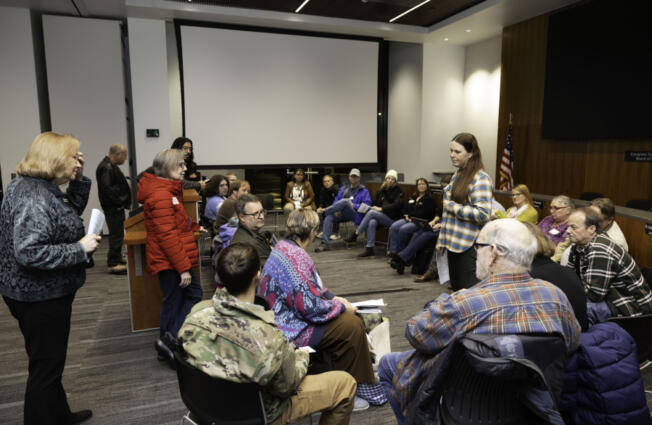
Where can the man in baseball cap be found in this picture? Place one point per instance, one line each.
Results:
(345, 207)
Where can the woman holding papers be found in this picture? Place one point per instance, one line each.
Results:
(309, 314)
(44, 253)
(466, 208)
(171, 248)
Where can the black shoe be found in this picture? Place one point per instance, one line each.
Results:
(398, 264)
(79, 417)
(368, 252)
(322, 247)
(165, 353)
(352, 238)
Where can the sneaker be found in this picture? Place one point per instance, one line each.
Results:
(320, 234)
(360, 404)
(118, 269)
(335, 237)
(351, 238)
(322, 247)
(368, 252)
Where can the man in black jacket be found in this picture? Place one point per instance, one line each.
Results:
(115, 197)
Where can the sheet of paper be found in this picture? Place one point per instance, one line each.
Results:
(96, 222)
(442, 267)
(307, 348)
(370, 303)
(363, 208)
(368, 310)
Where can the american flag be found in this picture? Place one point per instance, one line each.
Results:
(507, 163)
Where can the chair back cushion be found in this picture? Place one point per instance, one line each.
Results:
(216, 401)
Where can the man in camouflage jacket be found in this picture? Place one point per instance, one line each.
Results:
(232, 338)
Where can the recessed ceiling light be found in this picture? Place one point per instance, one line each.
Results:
(467, 30)
(301, 7)
(408, 11)
(446, 39)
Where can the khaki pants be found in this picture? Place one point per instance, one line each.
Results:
(331, 393)
(289, 207)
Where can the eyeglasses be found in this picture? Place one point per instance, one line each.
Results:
(478, 245)
(514, 195)
(257, 214)
(554, 208)
(181, 164)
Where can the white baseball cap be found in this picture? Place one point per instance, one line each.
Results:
(354, 172)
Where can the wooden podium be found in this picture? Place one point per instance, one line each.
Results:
(144, 290)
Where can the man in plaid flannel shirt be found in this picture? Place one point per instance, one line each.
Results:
(613, 284)
(506, 301)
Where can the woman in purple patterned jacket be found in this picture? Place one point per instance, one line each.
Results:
(308, 314)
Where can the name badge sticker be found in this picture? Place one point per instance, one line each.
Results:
(175, 201)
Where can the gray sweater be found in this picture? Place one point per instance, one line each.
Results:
(40, 256)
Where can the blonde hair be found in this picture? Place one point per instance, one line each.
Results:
(47, 155)
(545, 246)
(521, 188)
(165, 161)
(301, 222)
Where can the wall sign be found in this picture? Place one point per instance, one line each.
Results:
(638, 156)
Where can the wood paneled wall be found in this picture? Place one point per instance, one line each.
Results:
(558, 166)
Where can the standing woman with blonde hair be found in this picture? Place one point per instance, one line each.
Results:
(466, 208)
(170, 248)
(44, 253)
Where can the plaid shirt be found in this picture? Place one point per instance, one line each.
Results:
(609, 273)
(501, 304)
(461, 223)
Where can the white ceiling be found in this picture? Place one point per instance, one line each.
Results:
(485, 20)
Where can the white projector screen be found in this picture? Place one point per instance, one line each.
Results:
(260, 98)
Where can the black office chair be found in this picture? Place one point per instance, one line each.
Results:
(214, 401)
(589, 196)
(639, 328)
(640, 204)
(488, 377)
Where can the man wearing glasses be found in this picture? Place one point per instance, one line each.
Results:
(506, 301)
(251, 219)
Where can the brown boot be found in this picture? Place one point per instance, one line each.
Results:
(427, 276)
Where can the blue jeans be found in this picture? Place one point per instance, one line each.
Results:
(420, 239)
(399, 233)
(386, 371)
(345, 213)
(372, 220)
(598, 312)
(177, 301)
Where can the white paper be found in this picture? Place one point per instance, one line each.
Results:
(96, 222)
(363, 208)
(442, 266)
(368, 310)
(307, 348)
(370, 303)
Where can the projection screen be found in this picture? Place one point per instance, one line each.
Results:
(261, 98)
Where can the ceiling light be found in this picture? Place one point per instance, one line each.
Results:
(446, 39)
(467, 30)
(408, 11)
(301, 7)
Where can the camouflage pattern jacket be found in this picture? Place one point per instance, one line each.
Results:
(240, 342)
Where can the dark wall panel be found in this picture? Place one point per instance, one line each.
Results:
(558, 166)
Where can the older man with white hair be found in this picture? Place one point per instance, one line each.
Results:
(506, 301)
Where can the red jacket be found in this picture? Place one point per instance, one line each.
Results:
(170, 240)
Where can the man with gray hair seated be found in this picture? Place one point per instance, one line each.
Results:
(506, 301)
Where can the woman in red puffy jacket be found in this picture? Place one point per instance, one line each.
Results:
(171, 248)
